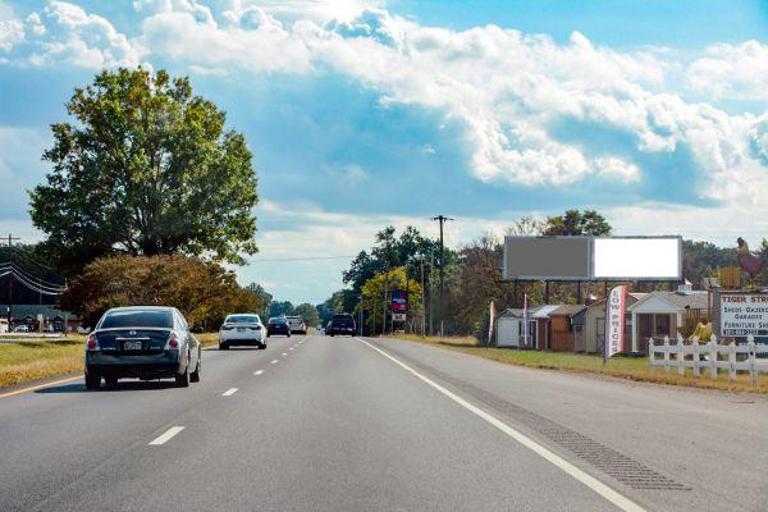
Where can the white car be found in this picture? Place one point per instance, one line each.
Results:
(242, 329)
(297, 324)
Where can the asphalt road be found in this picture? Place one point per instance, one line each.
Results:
(318, 423)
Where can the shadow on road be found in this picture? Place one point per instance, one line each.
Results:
(129, 385)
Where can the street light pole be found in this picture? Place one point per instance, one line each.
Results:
(442, 219)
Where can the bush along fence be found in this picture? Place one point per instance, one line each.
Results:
(712, 356)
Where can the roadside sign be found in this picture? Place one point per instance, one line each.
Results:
(615, 311)
(742, 314)
(398, 317)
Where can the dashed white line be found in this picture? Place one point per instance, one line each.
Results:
(166, 436)
(258, 372)
(284, 354)
(290, 348)
(621, 501)
(229, 392)
(275, 361)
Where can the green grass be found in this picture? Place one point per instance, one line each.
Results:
(29, 361)
(629, 368)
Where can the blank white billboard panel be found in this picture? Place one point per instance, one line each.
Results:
(637, 258)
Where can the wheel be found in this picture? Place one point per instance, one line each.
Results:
(223, 346)
(195, 375)
(182, 380)
(111, 381)
(331, 335)
(263, 346)
(92, 381)
(289, 335)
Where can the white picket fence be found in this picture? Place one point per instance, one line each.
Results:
(735, 358)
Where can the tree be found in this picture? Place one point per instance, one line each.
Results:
(204, 291)
(576, 223)
(373, 298)
(265, 298)
(146, 168)
(308, 313)
(526, 226)
(280, 308)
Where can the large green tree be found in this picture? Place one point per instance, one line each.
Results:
(146, 167)
(308, 313)
(576, 223)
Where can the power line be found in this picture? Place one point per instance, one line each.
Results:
(308, 258)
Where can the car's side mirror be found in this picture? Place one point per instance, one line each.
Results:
(197, 329)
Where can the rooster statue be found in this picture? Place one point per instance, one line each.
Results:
(749, 261)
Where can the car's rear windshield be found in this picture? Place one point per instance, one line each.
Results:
(279, 320)
(342, 320)
(138, 318)
(242, 319)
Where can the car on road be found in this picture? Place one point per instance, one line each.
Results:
(342, 323)
(297, 324)
(242, 329)
(21, 328)
(145, 342)
(278, 325)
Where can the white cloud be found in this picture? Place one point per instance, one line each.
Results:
(11, 29)
(727, 71)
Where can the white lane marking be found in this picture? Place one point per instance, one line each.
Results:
(290, 348)
(621, 501)
(166, 436)
(274, 361)
(258, 372)
(229, 392)
(284, 354)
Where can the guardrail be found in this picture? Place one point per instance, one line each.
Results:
(698, 356)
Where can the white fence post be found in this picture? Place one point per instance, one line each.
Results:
(713, 357)
(696, 371)
(652, 354)
(732, 361)
(680, 355)
(666, 354)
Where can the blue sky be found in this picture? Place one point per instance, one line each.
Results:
(366, 113)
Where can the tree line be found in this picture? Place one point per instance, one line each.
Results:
(473, 279)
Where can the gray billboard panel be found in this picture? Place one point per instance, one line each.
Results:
(563, 258)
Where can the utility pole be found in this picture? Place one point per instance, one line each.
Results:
(384, 306)
(11, 239)
(442, 219)
(423, 302)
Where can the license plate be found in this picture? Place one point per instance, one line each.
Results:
(241, 329)
(132, 345)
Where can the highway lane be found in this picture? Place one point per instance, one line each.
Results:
(332, 424)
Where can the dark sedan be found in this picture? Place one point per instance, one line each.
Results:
(278, 325)
(145, 342)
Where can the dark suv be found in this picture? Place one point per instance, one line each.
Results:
(342, 323)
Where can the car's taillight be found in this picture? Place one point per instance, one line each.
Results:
(226, 328)
(92, 343)
(173, 342)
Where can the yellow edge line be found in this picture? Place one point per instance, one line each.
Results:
(40, 386)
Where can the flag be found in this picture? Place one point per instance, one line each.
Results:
(525, 319)
(615, 311)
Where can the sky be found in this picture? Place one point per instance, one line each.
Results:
(367, 113)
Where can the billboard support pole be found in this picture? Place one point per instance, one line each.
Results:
(546, 292)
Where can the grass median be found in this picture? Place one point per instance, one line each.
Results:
(33, 360)
(629, 368)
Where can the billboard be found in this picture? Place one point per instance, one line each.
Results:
(585, 258)
(641, 258)
(563, 258)
(742, 314)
